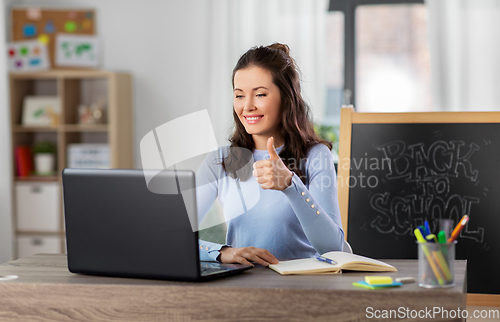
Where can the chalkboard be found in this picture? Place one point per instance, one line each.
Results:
(399, 174)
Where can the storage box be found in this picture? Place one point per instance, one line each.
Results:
(89, 155)
(30, 245)
(38, 206)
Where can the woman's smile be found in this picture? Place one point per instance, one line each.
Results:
(253, 119)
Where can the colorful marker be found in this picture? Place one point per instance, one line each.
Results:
(442, 237)
(431, 238)
(427, 228)
(422, 230)
(441, 261)
(458, 228)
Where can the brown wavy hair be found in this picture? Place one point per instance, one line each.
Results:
(295, 127)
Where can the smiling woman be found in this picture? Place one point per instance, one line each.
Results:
(296, 211)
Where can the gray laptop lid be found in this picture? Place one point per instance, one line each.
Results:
(116, 226)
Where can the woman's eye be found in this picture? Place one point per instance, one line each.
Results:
(261, 95)
(239, 96)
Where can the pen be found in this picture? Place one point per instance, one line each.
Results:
(326, 260)
(458, 229)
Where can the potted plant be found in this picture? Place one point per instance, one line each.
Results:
(45, 158)
(329, 133)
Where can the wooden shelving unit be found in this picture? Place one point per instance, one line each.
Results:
(72, 87)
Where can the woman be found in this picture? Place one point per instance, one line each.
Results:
(296, 214)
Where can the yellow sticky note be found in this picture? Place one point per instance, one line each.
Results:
(43, 38)
(374, 280)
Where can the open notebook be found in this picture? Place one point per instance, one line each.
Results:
(345, 261)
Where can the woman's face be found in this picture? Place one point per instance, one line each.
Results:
(257, 101)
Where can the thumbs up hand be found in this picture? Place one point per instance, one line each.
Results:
(272, 173)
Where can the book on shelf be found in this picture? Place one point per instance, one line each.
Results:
(343, 261)
(24, 161)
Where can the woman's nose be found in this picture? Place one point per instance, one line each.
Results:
(249, 106)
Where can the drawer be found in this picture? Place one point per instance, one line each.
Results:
(30, 245)
(38, 206)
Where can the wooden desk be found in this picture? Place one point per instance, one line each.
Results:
(47, 291)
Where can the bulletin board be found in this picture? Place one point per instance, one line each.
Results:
(30, 23)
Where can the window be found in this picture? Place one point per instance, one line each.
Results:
(392, 59)
(335, 67)
(386, 56)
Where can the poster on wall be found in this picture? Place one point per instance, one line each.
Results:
(25, 56)
(44, 24)
(77, 51)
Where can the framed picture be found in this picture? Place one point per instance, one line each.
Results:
(41, 110)
(77, 51)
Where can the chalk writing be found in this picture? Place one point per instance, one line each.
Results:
(431, 169)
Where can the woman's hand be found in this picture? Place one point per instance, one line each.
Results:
(272, 173)
(229, 255)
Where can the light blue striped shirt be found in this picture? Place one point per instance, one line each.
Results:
(298, 222)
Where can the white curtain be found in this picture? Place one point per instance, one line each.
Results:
(235, 26)
(465, 49)
(5, 156)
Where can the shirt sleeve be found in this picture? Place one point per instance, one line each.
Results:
(317, 208)
(209, 251)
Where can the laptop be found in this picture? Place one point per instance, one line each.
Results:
(116, 226)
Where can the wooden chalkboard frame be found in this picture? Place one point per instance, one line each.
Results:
(348, 117)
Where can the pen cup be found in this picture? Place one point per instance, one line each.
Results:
(436, 265)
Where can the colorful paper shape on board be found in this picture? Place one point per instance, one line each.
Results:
(29, 30)
(70, 26)
(86, 24)
(77, 51)
(34, 13)
(28, 55)
(44, 39)
(49, 27)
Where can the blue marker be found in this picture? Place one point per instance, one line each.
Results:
(422, 230)
(427, 228)
(326, 260)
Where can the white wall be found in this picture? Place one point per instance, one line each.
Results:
(5, 159)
